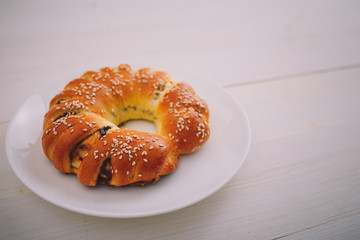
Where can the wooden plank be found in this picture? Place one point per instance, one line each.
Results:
(230, 42)
(288, 106)
(302, 181)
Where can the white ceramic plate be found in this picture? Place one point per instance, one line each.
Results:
(198, 175)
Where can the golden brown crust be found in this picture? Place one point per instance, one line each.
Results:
(185, 118)
(81, 133)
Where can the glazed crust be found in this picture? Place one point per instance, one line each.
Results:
(81, 133)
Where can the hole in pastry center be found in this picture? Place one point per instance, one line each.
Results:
(139, 125)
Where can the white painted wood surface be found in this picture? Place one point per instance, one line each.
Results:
(293, 65)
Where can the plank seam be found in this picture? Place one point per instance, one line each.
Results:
(315, 72)
(333, 219)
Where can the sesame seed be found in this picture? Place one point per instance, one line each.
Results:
(133, 163)
(139, 175)
(145, 160)
(127, 172)
(151, 147)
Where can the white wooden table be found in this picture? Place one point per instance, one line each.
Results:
(293, 65)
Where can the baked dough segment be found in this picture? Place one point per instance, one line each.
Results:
(64, 134)
(185, 118)
(134, 157)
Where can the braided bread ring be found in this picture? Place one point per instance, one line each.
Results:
(81, 133)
